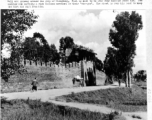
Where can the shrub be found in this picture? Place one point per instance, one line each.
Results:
(115, 115)
(135, 116)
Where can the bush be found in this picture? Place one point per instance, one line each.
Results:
(116, 115)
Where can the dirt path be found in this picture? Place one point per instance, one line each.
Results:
(102, 109)
(45, 95)
(50, 95)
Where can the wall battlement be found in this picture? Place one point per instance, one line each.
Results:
(48, 75)
(51, 64)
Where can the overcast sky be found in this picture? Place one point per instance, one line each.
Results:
(89, 28)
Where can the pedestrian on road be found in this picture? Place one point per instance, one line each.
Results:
(34, 85)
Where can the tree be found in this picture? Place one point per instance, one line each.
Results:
(98, 64)
(55, 55)
(141, 75)
(110, 65)
(66, 42)
(37, 48)
(43, 41)
(122, 36)
(13, 25)
(30, 48)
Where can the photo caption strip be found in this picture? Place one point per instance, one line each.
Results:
(34, 4)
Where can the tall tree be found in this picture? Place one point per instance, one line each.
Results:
(30, 46)
(122, 36)
(110, 64)
(44, 49)
(13, 25)
(37, 48)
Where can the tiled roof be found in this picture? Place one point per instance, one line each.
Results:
(80, 47)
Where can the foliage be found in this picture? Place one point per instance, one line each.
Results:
(43, 51)
(14, 23)
(30, 48)
(116, 115)
(43, 41)
(136, 116)
(66, 42)
(110, 63)
(6, 70)
(98, 64)
(37, 48)
(141, 75)
(54, 53)
(122, 36)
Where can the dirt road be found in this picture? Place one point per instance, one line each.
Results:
(50, 95)
(102, 109)
(45, 95)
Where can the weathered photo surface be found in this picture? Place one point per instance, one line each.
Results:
(73, 64)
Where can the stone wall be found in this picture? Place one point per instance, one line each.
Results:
(48, 75)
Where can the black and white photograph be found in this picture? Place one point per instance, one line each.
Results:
(87, 64)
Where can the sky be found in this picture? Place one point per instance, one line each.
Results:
(89, 28)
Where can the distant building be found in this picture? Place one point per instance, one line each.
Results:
(87, 57)
(77, 53)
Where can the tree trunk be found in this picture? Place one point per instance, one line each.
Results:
(129, 79)
(119, 81)
(126, 79)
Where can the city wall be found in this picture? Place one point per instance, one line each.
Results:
(48, 75)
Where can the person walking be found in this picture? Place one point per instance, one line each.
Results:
(34, 85)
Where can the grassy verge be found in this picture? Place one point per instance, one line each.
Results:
(125, 99)
(141, 84)
(37, 110)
